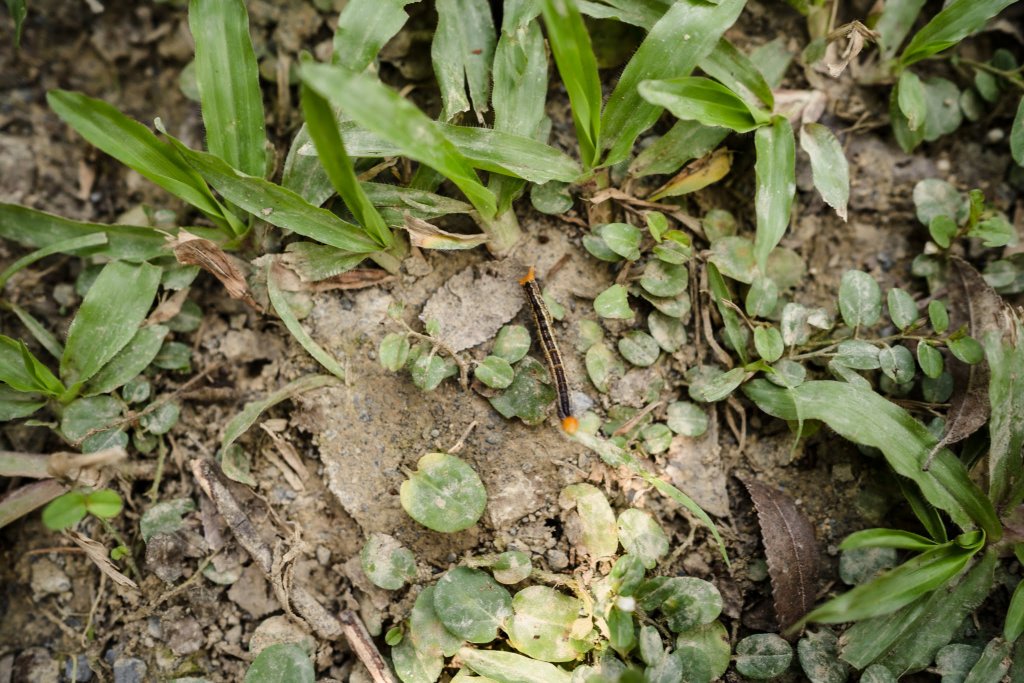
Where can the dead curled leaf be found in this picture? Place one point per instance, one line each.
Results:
(974, 303)
(697, 175)
(428, 236)
(97, 552)
(193, 250)
(791, 551)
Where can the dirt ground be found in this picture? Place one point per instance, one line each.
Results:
(357, 439)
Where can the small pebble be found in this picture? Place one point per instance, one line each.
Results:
(557, 559)
(995, 135)
(129, 670)
(323, 555)
(48, 578)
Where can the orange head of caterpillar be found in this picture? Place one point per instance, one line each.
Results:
(529, 277)
(570, 424)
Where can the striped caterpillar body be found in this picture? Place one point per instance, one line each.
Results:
(542, 318)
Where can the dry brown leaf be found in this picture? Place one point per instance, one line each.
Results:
(97, 552)
(428, 236)
(974, 303)
(357, 278)
(168, 308)
(791, 551)
(839, 53)
(193, 250)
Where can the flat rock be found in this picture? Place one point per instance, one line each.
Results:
(473, 305)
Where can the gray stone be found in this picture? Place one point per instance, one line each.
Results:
(130, 670)
(48, 578)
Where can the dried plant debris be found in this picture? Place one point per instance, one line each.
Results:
(473, 305)
(193, 250)
(791, 550)
(975, 304)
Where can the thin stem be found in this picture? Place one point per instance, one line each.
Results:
(120, 540)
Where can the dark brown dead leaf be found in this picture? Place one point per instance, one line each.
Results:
(192, 250)
(428, 236)
(791, 551)
(974, 303)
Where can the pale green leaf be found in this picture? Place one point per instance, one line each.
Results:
(241, 422)
(829, 167)
(443, 494)
(776, 185)
(462, 51)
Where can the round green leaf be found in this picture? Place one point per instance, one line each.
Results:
(664, 279)
(769, 344)
(597, 248)
(718, 223)
(685, 601)
(603, 367)
(622, 238)
(734, 257)
(934, 197)
(857, 354)
(136, 390)
(174, 356)
(930, 359)
(87, 414)
(164, 517)
(161, 419)
(673, 307)
(762, 297)
(495, 372)
(942, 111)
(444, 494)
(671, 252)
(943, 229)
(902, 308)
(104, 503)
(657, 438)
(939, 389)
(471, 604)
(429, 370)
(551, 197)
(529, 394)
(897, 363)
(669, 332)
(686, 418)
(394, 351)
(938, 316)
(955, 661)
(718, 386)
(763, 656)
(613, 303)
(541, 624)
(859, 565)
(639, 348)
(512, 343)
(386, 562)
(711, 639)
(590, 333)
(657, 224)
(597, 521)
(426, 632)
(512, 566)
(64, 511)
(188, 318)
(860, 299)
(819, 658)
(642, 537)
(788, 373)
(966, 349)
(281, 663)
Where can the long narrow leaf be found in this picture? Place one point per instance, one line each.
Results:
(108, 318)
(277, 205)
(642, 14)
(383, 112)
(39, 230)
(229, 84)
(776, 185)
(734, 69)
(284, 309)
(240, 423)
(733, 325)
(42, 335)
(520, 72)
(22, 371)
(1006, 426)
(513, 155)
(886, 538)
(705, 101)
(684, 141)
(896, 587)
(864, 417)
(687, 32)
(323, 129)
(958, 20)
(462, 52)
(364, 26)
(135, 146)
(894, 24)
(72, 244)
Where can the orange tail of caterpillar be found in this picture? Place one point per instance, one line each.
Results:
(542, 318)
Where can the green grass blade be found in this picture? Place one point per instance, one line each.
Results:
(684, 141)
(642, 14)
(929, 517)
(705, 101)
(380, 110)
(776, 185)
(570, 45)
(886, 538)
(730, 318)
(18, 12)
(864, 417)
(462, 52)
(364, 26)
(895, 588)
(958, 20)
(1006, 426)
(894, 24)
(512, 155)
(394, 201)
(323, 129)
(42, 335)
(39, 230)
(520, 73)
(108, 318)
(129, 362)
(135, 146)
(276, 205)
(283, 308)
(229, 84)
(687, 33)
(734, 69)
(240, 423)
(22, 371)
(72, 244)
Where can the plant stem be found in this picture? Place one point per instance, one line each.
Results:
(1013, 75)
(503, 231)
(120, 540)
